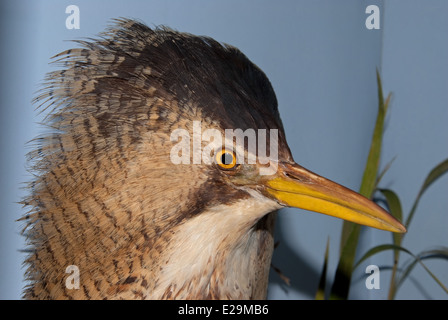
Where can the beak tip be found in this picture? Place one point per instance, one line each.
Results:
(303, 189)
(402, 229)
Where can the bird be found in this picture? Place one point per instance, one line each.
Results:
(107, 197)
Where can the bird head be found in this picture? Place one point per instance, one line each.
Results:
(166, 158)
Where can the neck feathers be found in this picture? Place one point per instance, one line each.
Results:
(220, 254)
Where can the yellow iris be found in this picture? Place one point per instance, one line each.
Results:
(225, 159)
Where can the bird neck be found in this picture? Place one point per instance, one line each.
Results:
(220, 254)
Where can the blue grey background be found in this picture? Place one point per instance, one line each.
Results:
(321, 60)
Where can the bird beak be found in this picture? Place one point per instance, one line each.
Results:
(295, 186)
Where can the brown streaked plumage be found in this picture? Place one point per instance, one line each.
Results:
(108, 199)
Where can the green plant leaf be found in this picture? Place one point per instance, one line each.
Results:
(433, 175)
(394, 204)
(395, 209)
(416, 259)
(441, 253)
(341, 284)
(320, 294)
(373, 160)
(371, 169)
(351, 231)
(383, 172)
(378, 249)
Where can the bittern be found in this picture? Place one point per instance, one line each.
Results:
(108, 198)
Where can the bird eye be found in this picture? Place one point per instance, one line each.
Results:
(225, 159)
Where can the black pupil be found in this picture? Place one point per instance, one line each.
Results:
(226, 158)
